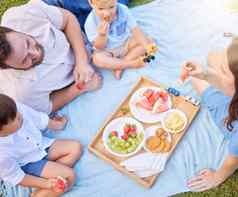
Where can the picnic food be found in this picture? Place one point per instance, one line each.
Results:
(154, 101)
(174, 121)
(159, 143)
(106, 18)
(185, 72)
(126, 143)
(61, 183)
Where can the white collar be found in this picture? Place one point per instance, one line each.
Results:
(7, 140)
(25, 74)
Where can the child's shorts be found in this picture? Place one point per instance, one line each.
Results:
(120, 51)
(35, 168)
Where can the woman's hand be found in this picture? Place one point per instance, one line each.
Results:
(205, 180)
(194, 70)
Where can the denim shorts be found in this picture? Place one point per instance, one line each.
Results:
(35, 168)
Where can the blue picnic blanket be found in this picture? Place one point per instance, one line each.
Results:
(183, 29)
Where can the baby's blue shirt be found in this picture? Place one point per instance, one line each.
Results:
(120, 28)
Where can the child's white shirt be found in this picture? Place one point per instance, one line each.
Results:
(25, 146)
(120, 28)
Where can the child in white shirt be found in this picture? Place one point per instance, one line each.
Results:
(27, 157)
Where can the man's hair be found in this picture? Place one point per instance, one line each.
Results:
(8, 110)
(5, 48)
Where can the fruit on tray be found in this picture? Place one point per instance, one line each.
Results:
(127, 142)
(154, 101)
(174, 122)
(61, 183)
(185, 72)
(159, 143)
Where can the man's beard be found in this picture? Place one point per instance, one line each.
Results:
(41, 49)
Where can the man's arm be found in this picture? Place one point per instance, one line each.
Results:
(73, 33)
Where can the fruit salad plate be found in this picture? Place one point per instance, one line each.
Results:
(123, 137)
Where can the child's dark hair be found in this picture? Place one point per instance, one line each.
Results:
(8, 110)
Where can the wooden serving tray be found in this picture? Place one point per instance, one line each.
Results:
(97, 147)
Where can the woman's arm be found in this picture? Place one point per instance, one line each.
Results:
(208, 179)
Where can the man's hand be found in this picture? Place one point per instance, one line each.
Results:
(57, 123)
(205, 180)
(83, 73)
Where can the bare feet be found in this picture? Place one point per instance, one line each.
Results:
(117, 74)
(137, 63)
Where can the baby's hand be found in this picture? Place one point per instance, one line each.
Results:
(103, 28)
(57, 123)
(58, 184)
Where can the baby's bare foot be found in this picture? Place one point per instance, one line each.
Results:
(137, 63)
(117, 74)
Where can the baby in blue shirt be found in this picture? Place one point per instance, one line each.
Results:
(117, 40)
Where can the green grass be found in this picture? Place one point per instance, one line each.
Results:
(228, 189)
(5, 4)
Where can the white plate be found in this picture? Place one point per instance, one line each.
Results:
(167, 114)
(118, 125)
(151, 131)
(142, 114)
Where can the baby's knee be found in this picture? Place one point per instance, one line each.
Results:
(97, 57)
(76, 150)
(70, 176)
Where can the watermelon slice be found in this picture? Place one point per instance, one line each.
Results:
(160, 106)
(153, 98)
(148, 93)
(145, 104)
(164, 96)
(61, 183)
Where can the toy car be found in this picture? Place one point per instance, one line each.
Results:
(173, 91)
(150, 53)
